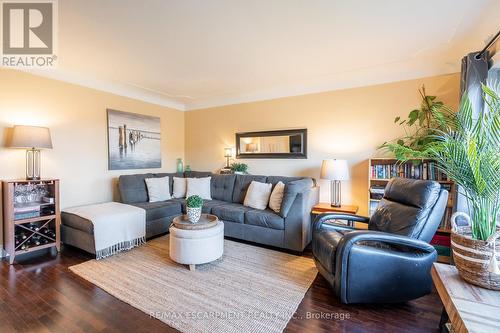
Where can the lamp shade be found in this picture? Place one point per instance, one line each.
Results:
(335, 170)
(228, 152)
(30, 137)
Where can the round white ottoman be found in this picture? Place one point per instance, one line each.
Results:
(194, 247)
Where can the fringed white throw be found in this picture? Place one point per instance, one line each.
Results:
(117, 227)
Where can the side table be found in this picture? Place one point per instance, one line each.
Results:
(324, 207)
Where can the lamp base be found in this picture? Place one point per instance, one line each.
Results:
(335, 196)
(33, 164)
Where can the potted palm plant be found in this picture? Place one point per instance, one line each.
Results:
(194, 204)
(470, 155)
(468, 151)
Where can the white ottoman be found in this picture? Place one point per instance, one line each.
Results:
(194, 247)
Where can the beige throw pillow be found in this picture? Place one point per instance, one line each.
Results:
(179, 187)
(158, 189)
(277, 197)
(258, 195)
(198, 186)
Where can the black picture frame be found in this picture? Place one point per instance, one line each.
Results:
(299, 140)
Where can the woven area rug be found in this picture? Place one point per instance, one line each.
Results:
(249, 289)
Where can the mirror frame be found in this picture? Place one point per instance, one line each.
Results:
(302, 155)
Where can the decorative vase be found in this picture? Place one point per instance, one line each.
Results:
(180, 165)
(475, 260)
(193, 214)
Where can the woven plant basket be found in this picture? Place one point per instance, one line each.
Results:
(474, 258)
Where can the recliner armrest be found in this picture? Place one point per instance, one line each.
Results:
(348, 240)
(320, 219)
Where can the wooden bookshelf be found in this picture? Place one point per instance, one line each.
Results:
(424, 172)
(31, 216)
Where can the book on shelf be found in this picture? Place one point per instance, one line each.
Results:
(26, 210)
(443, 240)
(423, 170)
(443, 250)
(445, 222)
(26, 207)
(377, 191)
(26, 215)
(373, 206)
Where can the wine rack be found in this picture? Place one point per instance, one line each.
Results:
(31, 216)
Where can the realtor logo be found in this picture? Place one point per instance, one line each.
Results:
(28, 33)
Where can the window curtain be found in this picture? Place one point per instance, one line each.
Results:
(474, 72)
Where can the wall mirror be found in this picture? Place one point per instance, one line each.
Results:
(272, 144)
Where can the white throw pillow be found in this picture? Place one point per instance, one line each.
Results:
(277, 197)
(158, 189)
(179, 187)
(198, 186)
(258, 195)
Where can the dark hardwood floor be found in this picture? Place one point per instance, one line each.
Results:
(40, 294)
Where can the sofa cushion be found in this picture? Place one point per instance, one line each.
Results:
(199, 187)
(222, 187)
(158, 188)
(265, 218)
(241, 185)
(179, 188)
(170, 178)
(285, 180)
(133, 188)
(291, 190)
(207, 205)
(276, 197)
(231, 212)
(161, 209)
(258, 195)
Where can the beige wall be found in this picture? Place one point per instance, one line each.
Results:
(347, 124)
(76, 117)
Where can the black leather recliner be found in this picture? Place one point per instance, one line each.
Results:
(391, 261)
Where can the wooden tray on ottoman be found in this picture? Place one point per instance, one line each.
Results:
(206, 221)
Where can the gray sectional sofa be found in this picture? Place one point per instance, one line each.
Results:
(291, 229)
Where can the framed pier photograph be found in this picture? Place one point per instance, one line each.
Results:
(134, 141)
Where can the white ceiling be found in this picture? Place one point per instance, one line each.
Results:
(190, 54)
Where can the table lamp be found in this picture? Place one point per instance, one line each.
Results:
(335, 171)
(228, 152)
(31, 138)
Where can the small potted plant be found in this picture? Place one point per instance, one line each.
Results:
(239, 168)
(194, 204)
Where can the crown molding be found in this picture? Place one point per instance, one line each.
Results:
(384, 74)
(348, 80)
(116, 88)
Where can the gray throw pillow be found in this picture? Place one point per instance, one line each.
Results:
(291, 190)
